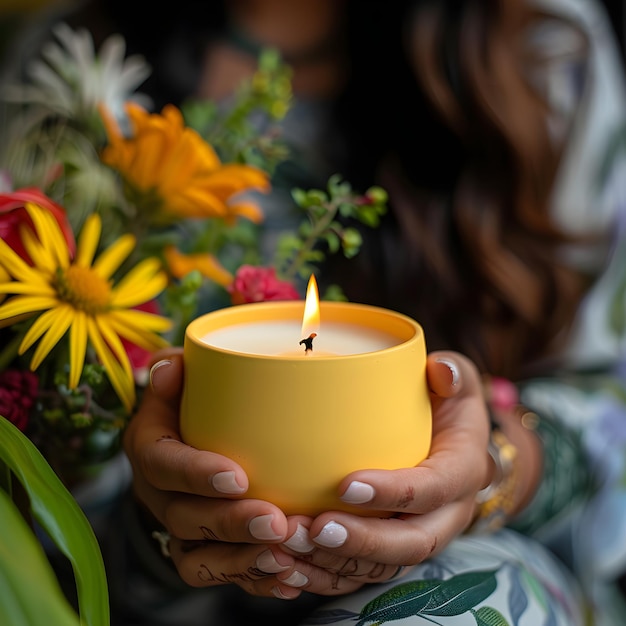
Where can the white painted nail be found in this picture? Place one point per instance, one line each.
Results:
(266, 562)
(225, 482)
(155, 367)
(358, 493)
(261, 528)
(279, 594)
(332, 535)
(295, 579)
(299, 541)
(454, 370)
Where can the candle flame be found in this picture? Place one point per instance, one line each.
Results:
(311, 317)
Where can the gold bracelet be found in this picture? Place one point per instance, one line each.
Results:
(496, 502)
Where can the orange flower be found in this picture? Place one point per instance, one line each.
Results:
(180, 265)
(172, 171)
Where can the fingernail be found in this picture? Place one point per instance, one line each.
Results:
(266, 562)
(358, 493)
(261, 528)
(158, 365)
(332, 535)
(295, 579)
(299, 541)
(225, 482)
(280, 595)
(453, 369)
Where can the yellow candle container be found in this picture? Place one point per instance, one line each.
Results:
(298, 425)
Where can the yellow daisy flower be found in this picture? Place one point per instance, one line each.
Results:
(175, 171)
(79, 296)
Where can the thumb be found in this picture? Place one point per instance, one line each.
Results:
(451, 373)
(166, 376)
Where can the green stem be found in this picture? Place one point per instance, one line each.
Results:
(208, 238)
(319, 228)
(9, 352)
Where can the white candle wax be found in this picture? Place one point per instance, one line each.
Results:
(283, 337)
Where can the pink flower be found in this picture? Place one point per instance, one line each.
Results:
(13, 215)
(259, 284)
(18, 391)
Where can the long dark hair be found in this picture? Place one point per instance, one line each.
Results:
(441, 111)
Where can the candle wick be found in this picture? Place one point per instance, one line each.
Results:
(308, 343)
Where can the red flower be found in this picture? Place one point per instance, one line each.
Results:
(259, 284)
(13, 215)
(18, 391)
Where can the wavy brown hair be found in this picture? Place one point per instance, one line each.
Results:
(459, 136)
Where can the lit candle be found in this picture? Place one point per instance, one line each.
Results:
(279, 338)
(296, 424)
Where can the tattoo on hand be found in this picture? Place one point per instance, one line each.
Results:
(208, 534)
(408, 497)
(207, 576)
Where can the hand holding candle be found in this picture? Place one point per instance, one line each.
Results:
(299, 422)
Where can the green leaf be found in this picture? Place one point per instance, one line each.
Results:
(351, 242)
(24, 568)
(333, 242)
(315, 197)
(60, 516)
(352, 238)
(488, 616)
(368, 214)
(377, 194)
(346, 209)
(537, 590)
(299, 196)
(334, 293)
(399, 602)
(305, 229)
(337, 187)
(461, 593)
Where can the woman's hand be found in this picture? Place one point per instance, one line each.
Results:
(216, 537)
(432, 503)
(219, 538)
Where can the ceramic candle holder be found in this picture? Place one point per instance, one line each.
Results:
(298, 423)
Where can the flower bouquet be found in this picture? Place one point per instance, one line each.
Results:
(121, 224)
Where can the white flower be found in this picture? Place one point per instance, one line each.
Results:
(70, 79)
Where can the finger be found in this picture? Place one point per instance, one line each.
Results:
(159, 406)
(170, 465)
(212, 564)
(454, 471)
(403, 540)
(232, 521)
(166, 375)
(359, 569)
(327, 574)
(450, 374)
(153, 443)
(306, 577)
(458, 463)
(321, 571)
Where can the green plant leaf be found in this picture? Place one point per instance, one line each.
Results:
(399, 602)
(24, 568)
(461, 593)
(60, 516)
(440, 598)
(488, 616)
